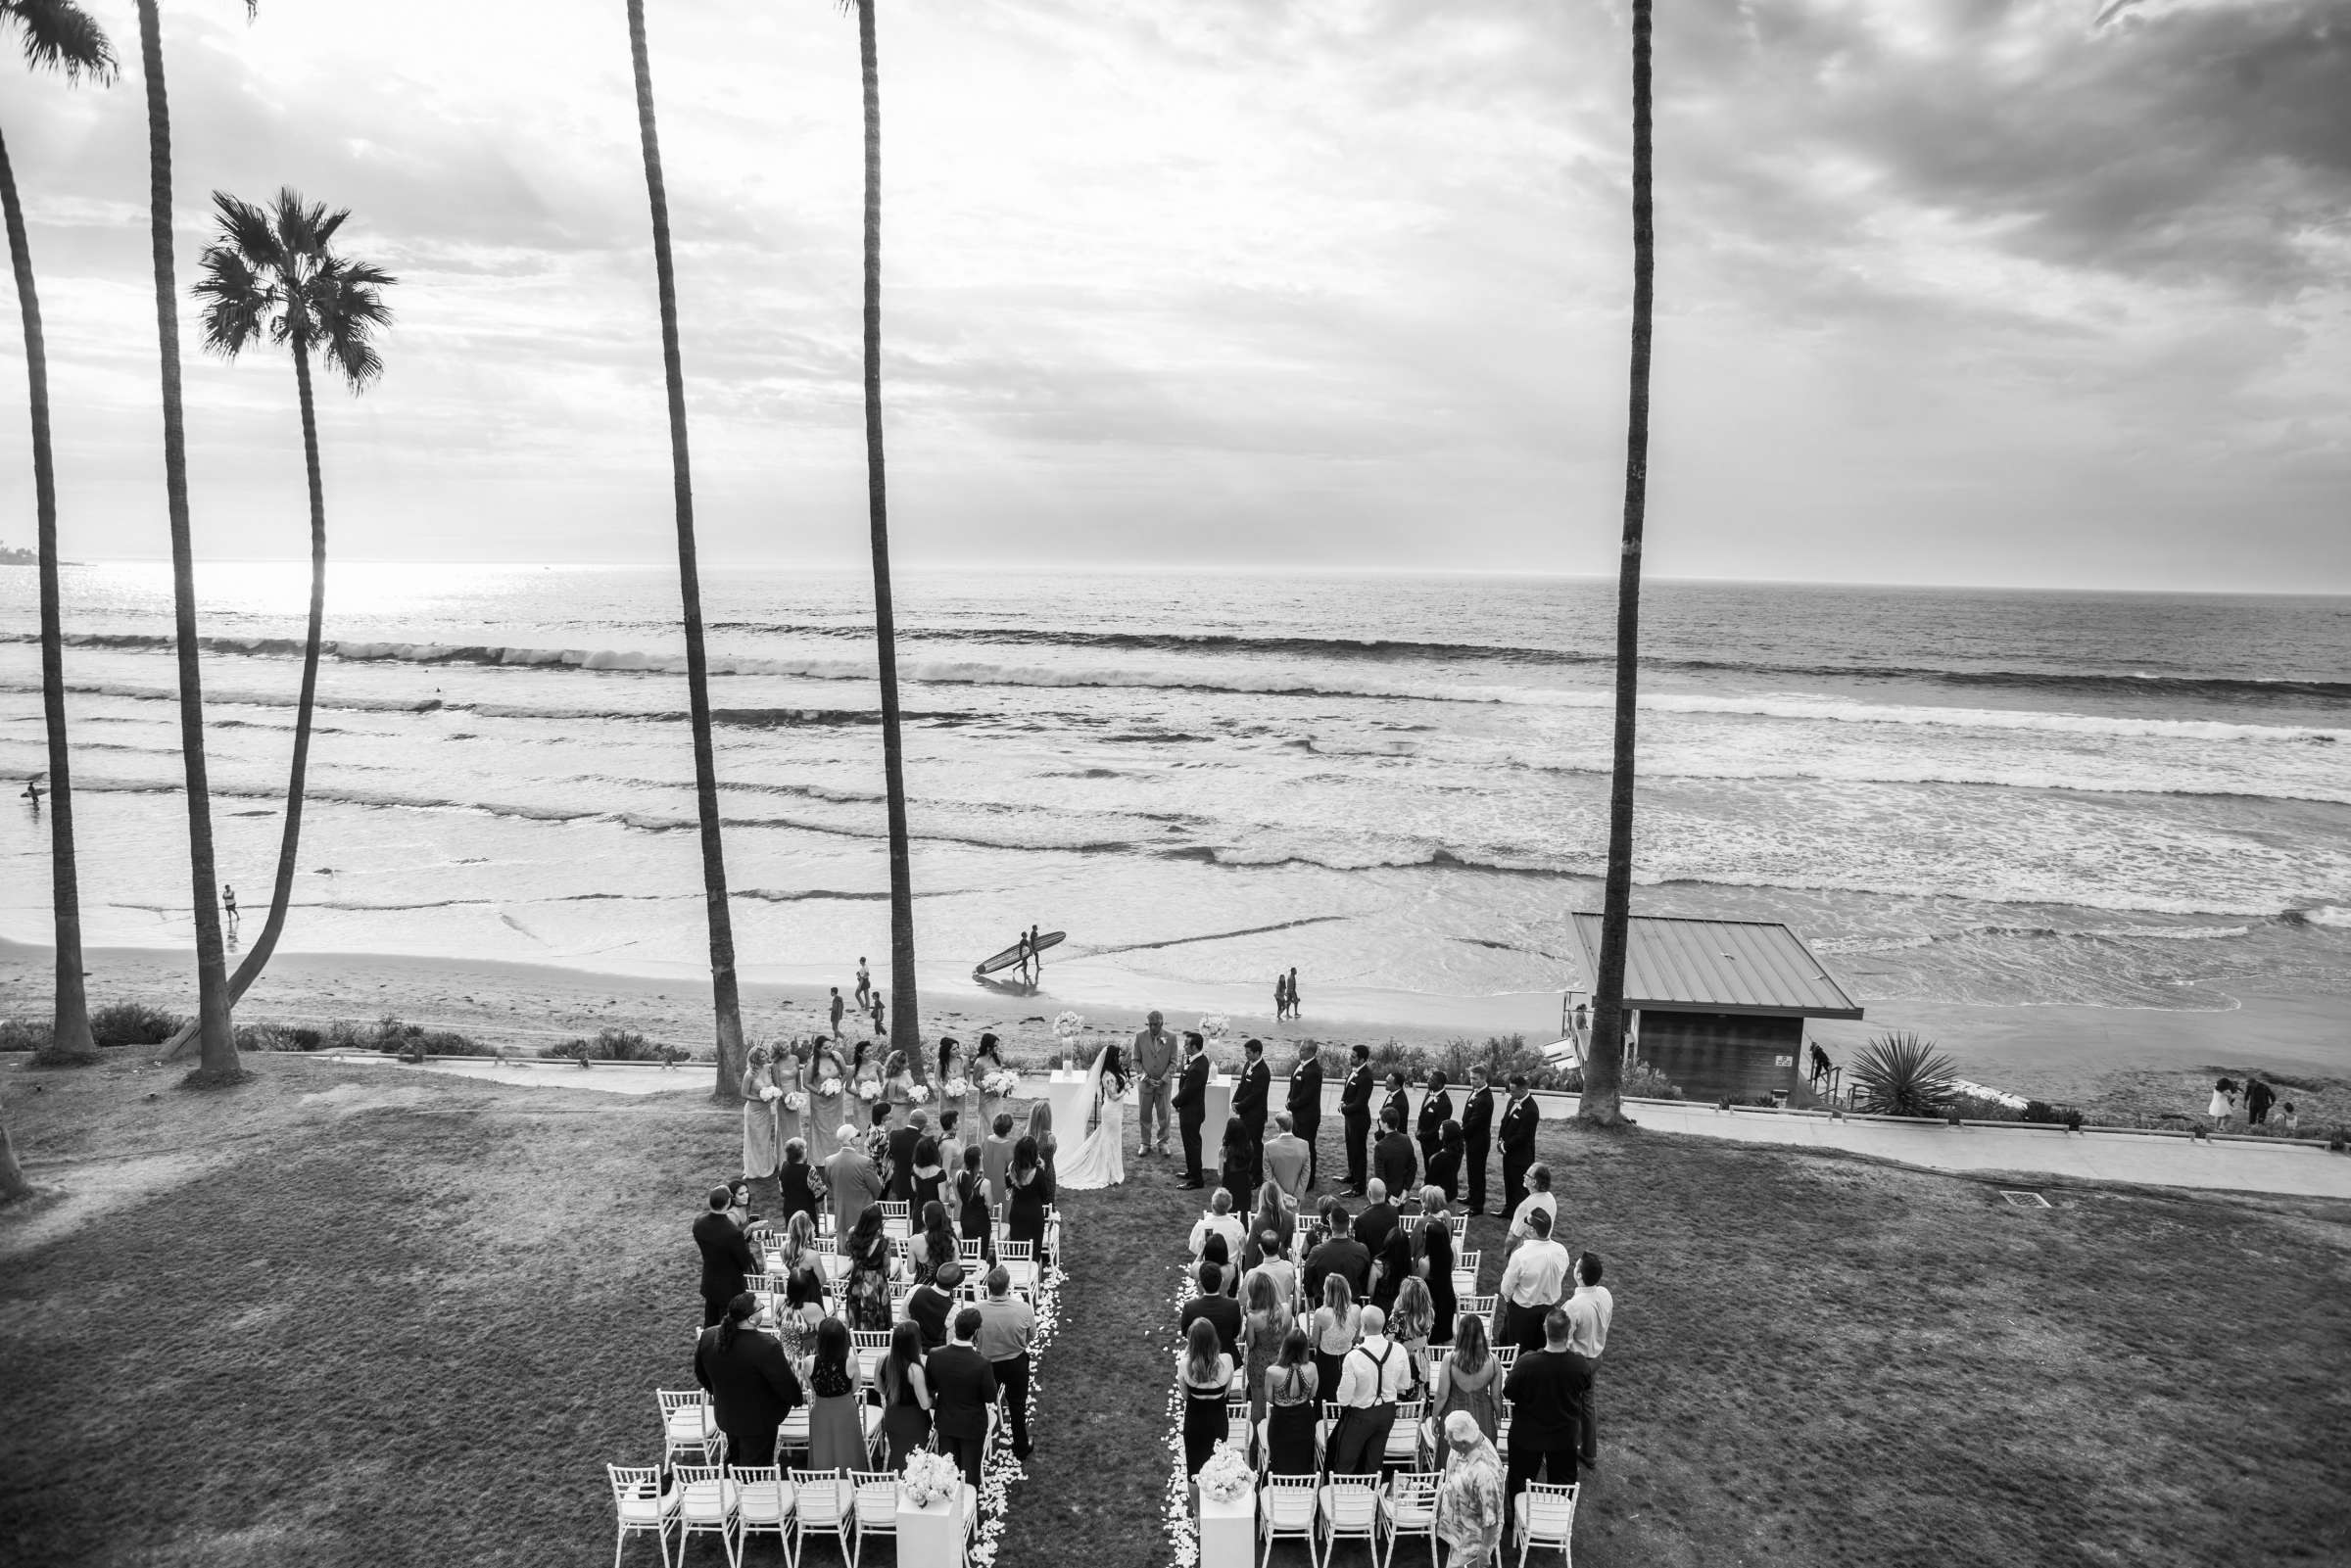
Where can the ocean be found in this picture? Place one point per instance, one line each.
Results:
(1396, 783)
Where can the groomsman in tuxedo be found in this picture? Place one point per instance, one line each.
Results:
(1249, 1103)
(1191, 1107)
(1399, 1102)
(1305, 1103)
(1517, 1143)
(1354, 1109)
(1477, 1133)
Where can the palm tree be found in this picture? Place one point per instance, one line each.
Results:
(1604, 1068)
(217, 1057)
(690, 587)
(61, 36)
(12, 1184)
(905, 1034)
(275, 273)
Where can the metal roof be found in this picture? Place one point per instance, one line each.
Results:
(1718, 965)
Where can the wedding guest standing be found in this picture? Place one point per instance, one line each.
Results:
(957, 1092)
(1590, 1309)
(1336, 1324)
(1517, 1137)
(835, 1418)
(930, 1175)
(761, 1153)
(1547, 1388)
(1478, 1135)
(963, 1396)
(1538, 1198)
(1205, 1370)
(726, 1255)
(1265, 1324)
(1232, 1181)
(751, 1386)
(1471, 1506)
(1304, 1102)
(1250, 1100)
(1287, 1157)
(1533, 1282)
(1370, 1379)
(1155, 1062)
(1191, 1108)
(1007, 1326)
(1030, 1193)
(1041, 1130)
(971, 1201)
(1398, 1101)
(1468, 1382)
(1436, 1266)
(1436, 1109)
(931, 1302)
(995, 1158)
(1445, 1164)
(796, 1183)
(1291, 1407)
(905, 1391)
(1393, 1160)
(1354, 1112)
(866, 1292)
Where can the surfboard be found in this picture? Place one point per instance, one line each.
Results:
(1012, 954)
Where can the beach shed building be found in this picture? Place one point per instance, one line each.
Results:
(1717, 1006)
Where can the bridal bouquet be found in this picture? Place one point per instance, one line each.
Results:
(1001, 1083)
(1070, 1026)
(770, 1093)
(869, 1091)
(1216, 1025)
(918, 1094)
(930, 1478)
(1226, 1476)
(828, 1088)
(795, 1101)
(958, 1088)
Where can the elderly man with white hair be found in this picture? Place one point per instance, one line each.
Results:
(1470, 1509)
(853, 1179)
(1218, 1220)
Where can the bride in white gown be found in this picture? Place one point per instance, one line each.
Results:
(1100, 1158)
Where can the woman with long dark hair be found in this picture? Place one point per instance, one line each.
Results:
(972, 1221)
(1028, 1192)
(905, 1394)
(835, 1424)
(929, 1176)
(1436, 1269)
(866, 1295)
(1293, 1383)
(934, 1244)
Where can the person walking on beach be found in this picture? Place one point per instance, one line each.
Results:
(1305, 1103)
(1294, 1012)
(865, 986)
(1281, 996)
(1034, 959)
(1355, 1109)
(229, 902)
(1478, 1135)
(839, 1008)
(1155, 1062)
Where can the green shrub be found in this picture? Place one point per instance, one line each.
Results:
(133, 1023)
(1501, 1056)
(615, 1045)
(1646, 1081)
(277, 1037)
(388, 1036)
(1903, 1075)
(24, 1034)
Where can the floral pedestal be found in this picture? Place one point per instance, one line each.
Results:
(1065, 1091)
(1228, 1531)
(932, 1537)
(1217, 1098)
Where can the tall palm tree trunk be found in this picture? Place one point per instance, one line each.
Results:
(71, 1026)
(219, 1047)
(905, 1030)
(12, 1184)
(724, 997)
(1604, 1064)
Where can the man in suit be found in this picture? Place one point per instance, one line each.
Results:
(1191, 1107)
(1305, 1106)
(852, 1179)
(930, 1304)
(1398, 1101)
(1217, 1307)
(1477, 1134)
(1518, 1138)
(726, 1255)
(1338, 1252)
(1288, 1157)
(751, 1385)
(901, 1155)
(1250, 1100)
(1378, 1220)
(1155, 1062)
(1436, 1109)
(1393, 1159)
(1355, 1109)
(963, 1394)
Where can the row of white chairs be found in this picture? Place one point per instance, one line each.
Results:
(690, 1422)
(737, 1501)
(1323, 1511)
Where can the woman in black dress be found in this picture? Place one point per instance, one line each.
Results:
(1291, 1385)
(928, 1177)
(1436, 1252)
(1445, 1166)
(1238, 1155)
(1390, 1268)
(797, 1181)
(1206, 1373)
(971, 1221)
(1029, 1191)
(905, 1394)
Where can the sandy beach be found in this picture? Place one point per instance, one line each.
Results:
(2055, 1052)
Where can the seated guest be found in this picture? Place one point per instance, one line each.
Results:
(1218, 1220)
(1589, 1309)
(1538, 1199)
(1287, 1157)
(963, 1394)
(1215, 1308)
(929, 1304)
(1445, 1166)
(1469, 1496)
(1339, 1252)
(1378, 1217)
(1392, 1158)
(1533, 1282)
(726, 1255)
(1204, 1370)
(1371, 1378)
(1239, 1155)
(751, 1386)
(801, 1187)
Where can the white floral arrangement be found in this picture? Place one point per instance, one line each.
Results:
(869, 1091)
(930, 1478)
(1070, 1026)
(1002, 1083)
(829, 1087)
(1215, 1027)
(795, 1101)
(1226, 1476)
(918, 1094)
(770, 1093)
(958, 1088)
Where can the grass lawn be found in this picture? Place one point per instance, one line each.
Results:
(369, 1314)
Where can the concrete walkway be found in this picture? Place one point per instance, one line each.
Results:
(2091, 1155)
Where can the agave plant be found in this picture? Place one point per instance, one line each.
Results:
(1903, 1075)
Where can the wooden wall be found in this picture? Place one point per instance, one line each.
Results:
(1708, 1055)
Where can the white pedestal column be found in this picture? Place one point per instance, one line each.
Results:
(1228, 1532)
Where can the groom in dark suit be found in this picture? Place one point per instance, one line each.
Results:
(1191, 1107)
(1249, 1098)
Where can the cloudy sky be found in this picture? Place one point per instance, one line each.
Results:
(1965, 291)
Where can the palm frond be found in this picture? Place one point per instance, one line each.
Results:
(238, 300)
(347, 310)
(247, 229)
(273, 272)
(58, 35)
